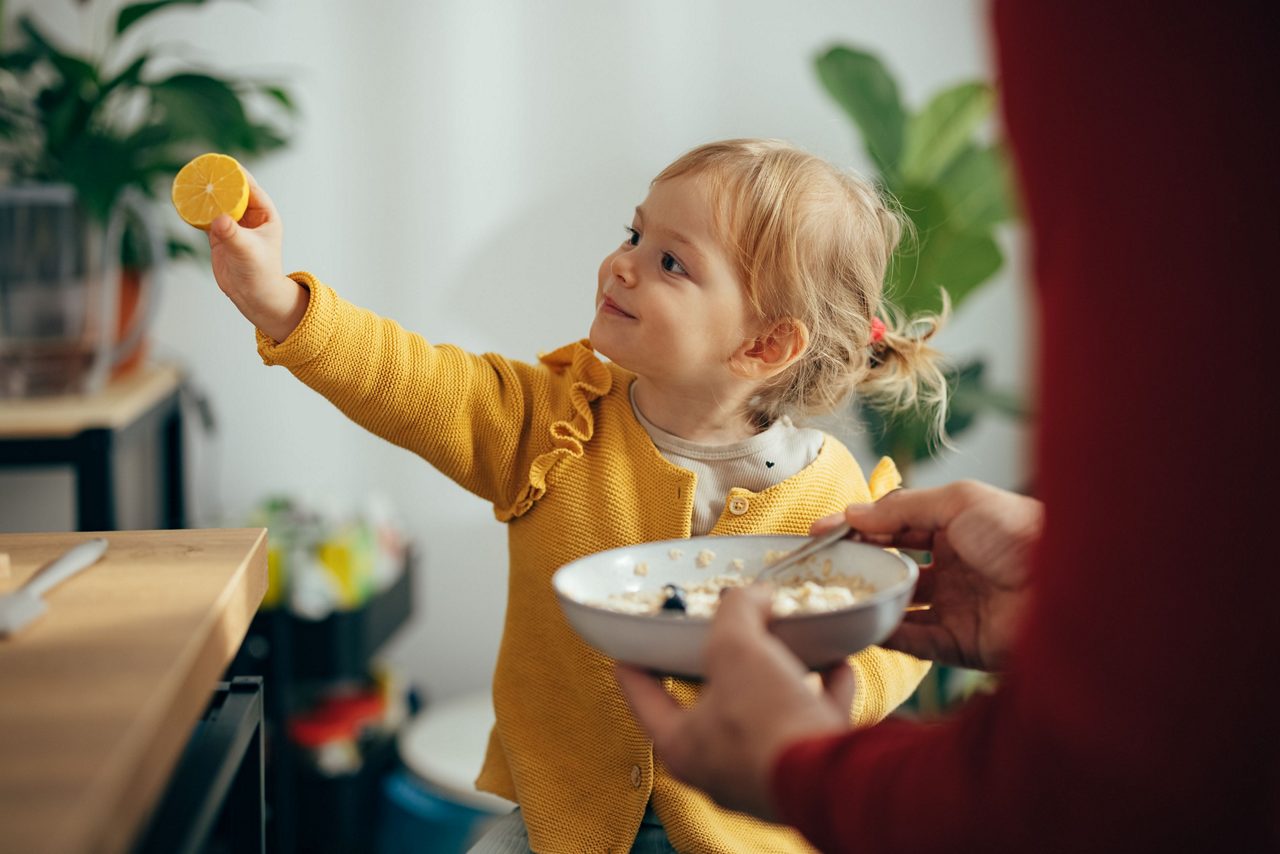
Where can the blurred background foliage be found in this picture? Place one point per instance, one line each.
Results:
(108, 120)
(955, 188)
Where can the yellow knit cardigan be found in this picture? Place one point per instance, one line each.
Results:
(556, 449)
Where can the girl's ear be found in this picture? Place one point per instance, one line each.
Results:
(774, 350)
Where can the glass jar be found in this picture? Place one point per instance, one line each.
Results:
(60, 289)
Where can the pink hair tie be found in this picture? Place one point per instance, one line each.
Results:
(877, 330)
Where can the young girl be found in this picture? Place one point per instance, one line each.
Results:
(747, 289)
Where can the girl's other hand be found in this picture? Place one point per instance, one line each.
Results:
(247, 265)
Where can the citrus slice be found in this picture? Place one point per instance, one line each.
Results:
(209, 186)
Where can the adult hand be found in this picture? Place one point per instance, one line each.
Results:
(981, 539)
(247, 266)
(756, 700)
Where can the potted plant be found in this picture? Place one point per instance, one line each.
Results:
(109, 125)
(955, 189)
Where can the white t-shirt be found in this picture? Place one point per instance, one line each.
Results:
(755, 464)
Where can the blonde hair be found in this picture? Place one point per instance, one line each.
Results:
(812, 243)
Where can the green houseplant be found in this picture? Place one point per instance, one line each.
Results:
(105, 122)
(108, 124)
(955, 189)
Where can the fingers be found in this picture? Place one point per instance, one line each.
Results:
(748, 605)
(905, 518)
(261, 209)
(221, 230)
(826, 523)
(654, 708)
(741, 622)
(921, 540)
(740, 633)
(908, 518)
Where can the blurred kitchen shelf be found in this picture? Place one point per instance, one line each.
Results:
(340, 645)
(122, 444)
(289, 649)
(341, 810)
(299, 659)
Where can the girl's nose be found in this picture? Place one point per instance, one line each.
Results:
(623, 269)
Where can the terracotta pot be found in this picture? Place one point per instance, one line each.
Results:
(130, 305)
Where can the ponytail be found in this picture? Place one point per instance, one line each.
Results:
(905, 372)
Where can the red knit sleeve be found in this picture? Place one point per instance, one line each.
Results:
(1139, 713)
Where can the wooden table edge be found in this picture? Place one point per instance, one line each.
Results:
(129, 806)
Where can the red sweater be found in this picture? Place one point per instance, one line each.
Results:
(1142, 708)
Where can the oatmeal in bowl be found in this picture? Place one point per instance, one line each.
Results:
(651, 604)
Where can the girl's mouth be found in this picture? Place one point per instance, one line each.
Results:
(608, 306)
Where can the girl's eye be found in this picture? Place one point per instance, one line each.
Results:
(633, 236)
(671, 265)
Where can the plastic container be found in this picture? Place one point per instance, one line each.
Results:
(417, 821)
(431, 805)
(61, 289)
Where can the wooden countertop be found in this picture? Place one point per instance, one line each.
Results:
(119, 404)
(99, 695)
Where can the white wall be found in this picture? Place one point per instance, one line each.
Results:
(463, 167)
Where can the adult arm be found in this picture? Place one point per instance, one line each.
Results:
(1138, 713)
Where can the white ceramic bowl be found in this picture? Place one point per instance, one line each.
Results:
(672, 643)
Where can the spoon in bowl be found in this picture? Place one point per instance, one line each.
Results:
(803, 553)
(811, 548)
(673, 595)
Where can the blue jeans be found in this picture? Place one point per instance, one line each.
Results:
(507, 835)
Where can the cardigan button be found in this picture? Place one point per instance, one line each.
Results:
(636, 776)
(739, 505)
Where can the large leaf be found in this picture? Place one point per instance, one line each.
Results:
(940, 251)
(39, 45)
(127, 78)
(179, 248)
(68, 100)
(278, 94)
(99, 166)
(77, 72)
(861, 85)
(927, 211)
(202, 109)
(155, 155)
(956, 260)
(978, 188)
(65, 115)
(261, 138)
(980, 399)
(18, 61)
(942, 129)
(130, 15)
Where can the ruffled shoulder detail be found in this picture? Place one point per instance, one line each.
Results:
(589, 379)
(884, 479)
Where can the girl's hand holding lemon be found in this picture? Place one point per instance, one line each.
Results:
(216, 194)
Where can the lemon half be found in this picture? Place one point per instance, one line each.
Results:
(209, 186)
